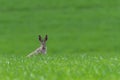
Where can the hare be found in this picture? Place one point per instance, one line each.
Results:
(42, 49)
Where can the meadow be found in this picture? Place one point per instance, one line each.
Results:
(83, 39)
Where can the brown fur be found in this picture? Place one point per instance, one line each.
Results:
(42, 49)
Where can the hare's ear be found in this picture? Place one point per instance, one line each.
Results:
(46, 38)
(40, 38)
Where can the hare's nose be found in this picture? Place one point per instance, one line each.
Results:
(43, 48)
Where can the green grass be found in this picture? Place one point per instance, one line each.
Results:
(57, 67)
(83, 39)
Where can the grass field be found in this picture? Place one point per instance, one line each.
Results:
(83, 39)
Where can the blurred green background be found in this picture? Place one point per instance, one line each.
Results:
(72, 26)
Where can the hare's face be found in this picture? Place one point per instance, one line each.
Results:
(43, 44)
(43, 41)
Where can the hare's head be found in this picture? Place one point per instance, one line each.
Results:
(43, 41)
